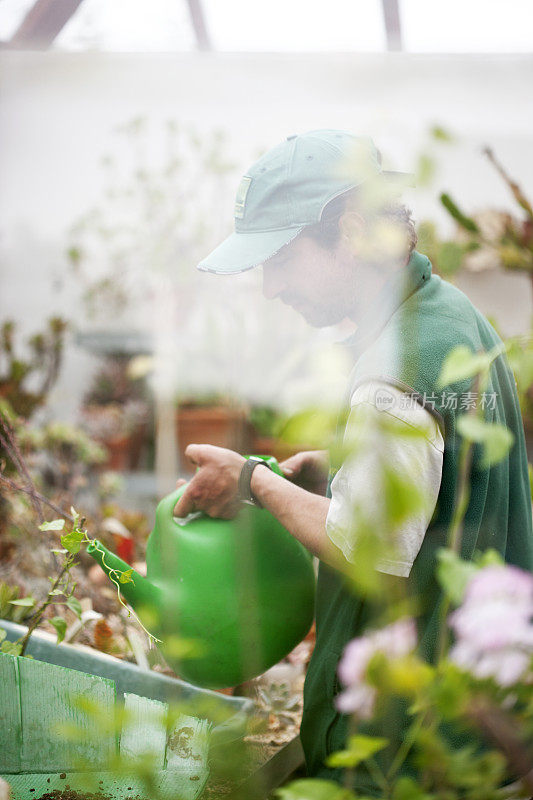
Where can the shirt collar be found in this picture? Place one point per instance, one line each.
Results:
(396, 291)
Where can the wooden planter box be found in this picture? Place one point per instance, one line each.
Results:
(37, 756)
(36, 695)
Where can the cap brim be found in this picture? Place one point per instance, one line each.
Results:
(242, 251)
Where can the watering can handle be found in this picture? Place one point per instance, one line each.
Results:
(165, 509)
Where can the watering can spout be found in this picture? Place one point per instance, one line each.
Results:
(138, 591)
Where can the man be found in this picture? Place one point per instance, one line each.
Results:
(317, 212)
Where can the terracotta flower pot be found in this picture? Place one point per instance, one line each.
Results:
(223, 426)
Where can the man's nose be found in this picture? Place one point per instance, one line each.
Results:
(273, 283)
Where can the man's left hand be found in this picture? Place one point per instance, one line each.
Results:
(214, 487)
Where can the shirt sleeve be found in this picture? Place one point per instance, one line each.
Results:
(357, 486)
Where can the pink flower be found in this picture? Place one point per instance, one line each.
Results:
(394, 641)
(501, 580)
(494, 626)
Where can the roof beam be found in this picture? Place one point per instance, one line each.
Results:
(393, 29)
(42, 23)
(198, 22)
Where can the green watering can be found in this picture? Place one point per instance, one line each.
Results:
(237, 594)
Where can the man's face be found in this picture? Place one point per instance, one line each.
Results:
(319, 283)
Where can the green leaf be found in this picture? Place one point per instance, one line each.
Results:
(54, 525)
(425, 171)
(497, 444)
(496, 439)
(24, 601)
(454, 574)
(366, 579)
(465, 222)
(72, 541)
(461, 363)
(440, 134)
(125, 576)
(312, 427)
(11, 648)
(74, 513)
(74, 605)
(314, 789)
(61, 627)
(409, 789)
(450, 257)
(404, 676)
(490, 558)
(59, 552)
(401, 497)
(450, 693)
(359, 749)
(3, 634)
(520, 357)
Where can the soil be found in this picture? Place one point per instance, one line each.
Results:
(70, 794)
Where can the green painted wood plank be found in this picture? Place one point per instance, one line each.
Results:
(10, 725)
(144, 731)
(177, 783)
(167, 785)
(187, 751)
(47, 696)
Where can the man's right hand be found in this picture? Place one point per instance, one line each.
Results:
(308, 469)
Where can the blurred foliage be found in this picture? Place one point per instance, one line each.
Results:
(446, 256)
(267, 421)
(63, 458)
(314, 427)
(146, 227)
(39, 370)
(12, 606)
(315, 789)
(485, 239)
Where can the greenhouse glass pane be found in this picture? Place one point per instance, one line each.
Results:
(296, 25)
(132, 26)
(467, 26)
(12, 12)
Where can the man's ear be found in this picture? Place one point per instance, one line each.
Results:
(352, 228)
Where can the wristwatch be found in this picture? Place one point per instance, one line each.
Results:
(244, 491)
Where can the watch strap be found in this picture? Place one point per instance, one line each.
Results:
(244, 490)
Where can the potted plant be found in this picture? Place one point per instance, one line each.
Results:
(116, 413)
(211, 420)
(40, 367)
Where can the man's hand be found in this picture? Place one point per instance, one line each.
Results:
(308, 469)
(214, 487)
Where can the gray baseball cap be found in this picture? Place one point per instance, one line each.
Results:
(288, 189)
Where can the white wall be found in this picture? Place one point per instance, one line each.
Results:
(58, 112)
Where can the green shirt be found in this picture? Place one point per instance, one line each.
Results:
(404, 341)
